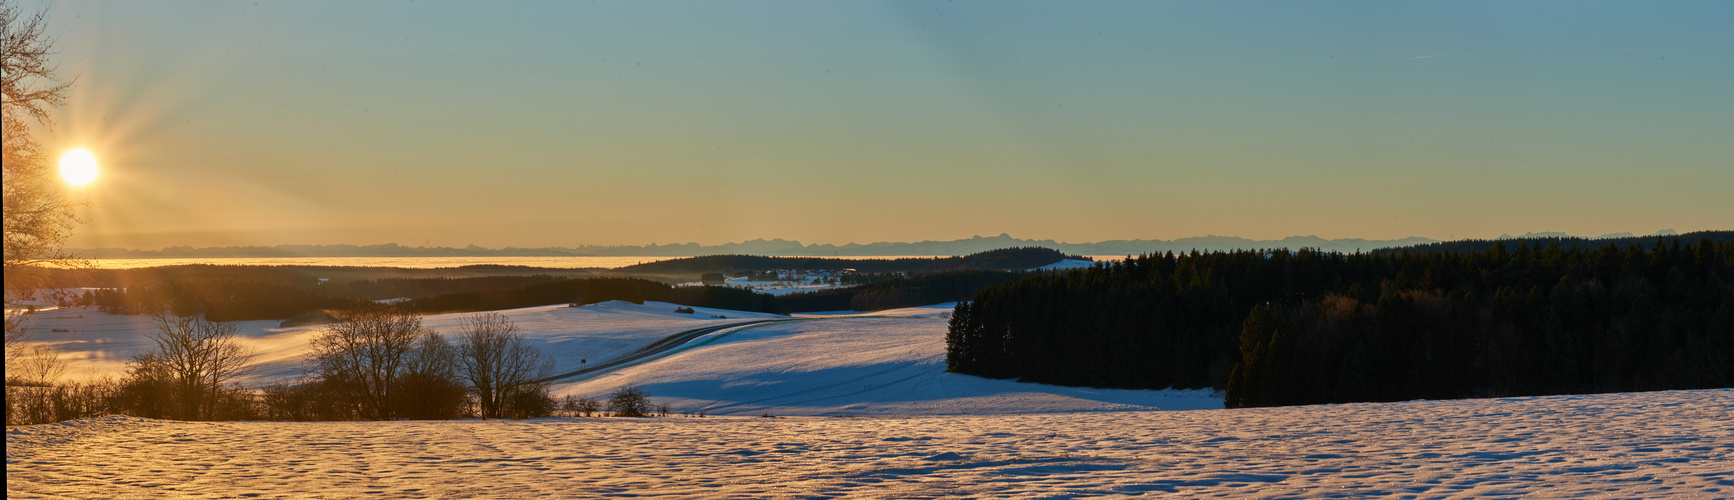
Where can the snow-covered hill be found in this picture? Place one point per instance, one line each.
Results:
(886, 363)
(97, 344)
(882, 363)
(865, 408)
(1643, 445)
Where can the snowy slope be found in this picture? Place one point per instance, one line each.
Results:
(845, 363)
(933, 311)
(853, 366)
(887, 422)
(880, 363)
(96, 344)
(100, 344)
(1643, 445)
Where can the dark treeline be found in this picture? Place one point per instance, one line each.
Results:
(888, 293)
(593, 290)
(225, 293)
(1647, 242)
(1282, 328)
(892, 293)
(295, 275)
(122, 278)
(1005, 259)
(388, 288)
(244, 293)
(217, 298)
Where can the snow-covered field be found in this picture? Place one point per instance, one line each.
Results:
(97, 344)
(1640, 445)
(883, 363)
(842, 363)
(864, 408)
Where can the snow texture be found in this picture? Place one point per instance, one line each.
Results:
(1638, 445)
(864, 408)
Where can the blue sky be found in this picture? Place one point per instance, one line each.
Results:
(567, 123)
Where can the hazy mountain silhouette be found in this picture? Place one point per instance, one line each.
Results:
(782, 247)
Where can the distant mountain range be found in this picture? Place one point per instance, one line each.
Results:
(781, 247)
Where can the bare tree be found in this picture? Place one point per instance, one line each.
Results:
(433, 356)
(37, 365)
(367, 351)
(500, 366)
(197, 358)
(37, 217)
(17, 331)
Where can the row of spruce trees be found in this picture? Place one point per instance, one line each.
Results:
(1286, 328)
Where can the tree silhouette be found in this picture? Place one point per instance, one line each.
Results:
(38, 216)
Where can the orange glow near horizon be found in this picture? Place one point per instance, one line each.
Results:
(859, 123)
(78, 167)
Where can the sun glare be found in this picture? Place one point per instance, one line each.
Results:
(78, 167)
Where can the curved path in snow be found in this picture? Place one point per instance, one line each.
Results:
(658, 348)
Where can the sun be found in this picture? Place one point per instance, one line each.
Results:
(78, 167)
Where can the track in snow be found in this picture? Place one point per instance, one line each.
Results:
(849, 366)
(658, 348)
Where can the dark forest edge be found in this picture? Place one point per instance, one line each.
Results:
(299, 295)
(886, 293)
(1005, 259)
(1567, 242)
(1287, 328)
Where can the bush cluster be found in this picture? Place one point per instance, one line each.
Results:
(375, 363)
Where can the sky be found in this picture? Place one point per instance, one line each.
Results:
(571, 123)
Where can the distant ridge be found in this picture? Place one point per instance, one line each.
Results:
(1004, 259)
(774, 247)
(1533, 240)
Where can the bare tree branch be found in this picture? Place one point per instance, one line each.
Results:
(199, 357)
(366, 352)
(38, 218)
(497, 362)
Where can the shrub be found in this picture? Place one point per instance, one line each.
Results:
(528, 402)
(578, 406)
(308, 400)
(629, 402)
(28, 405)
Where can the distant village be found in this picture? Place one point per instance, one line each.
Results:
(784, 281)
